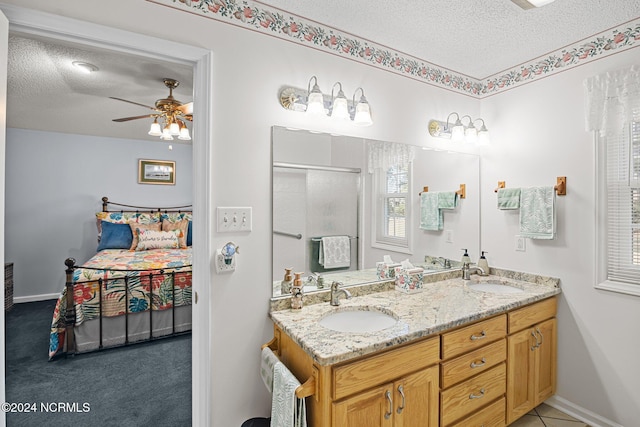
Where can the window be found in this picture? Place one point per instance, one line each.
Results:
(393, 206)
(623, 211)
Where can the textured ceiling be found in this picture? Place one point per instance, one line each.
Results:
(45, 92)
(478, 38)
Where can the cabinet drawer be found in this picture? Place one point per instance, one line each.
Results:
(473, 336)
(382, 368)
(473, 363)
(471, 395)
(491, 416)
(532, 314)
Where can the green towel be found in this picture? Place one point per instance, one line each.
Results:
(447, 200)
(431, 217)
(508, 198)
(537, 213)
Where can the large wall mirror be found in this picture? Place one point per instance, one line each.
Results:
(340, 206)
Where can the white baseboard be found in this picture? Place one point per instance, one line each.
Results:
(580, 413)
(32, 298)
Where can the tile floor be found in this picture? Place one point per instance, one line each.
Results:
(546, 416)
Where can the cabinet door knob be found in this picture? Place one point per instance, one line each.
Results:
(541, 337)
(477, 396)
(482, 362)
(475, 337)
(533, 347)
(401, 391)
(387, 415)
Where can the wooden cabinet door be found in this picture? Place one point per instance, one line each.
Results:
(371, 408)
(545, 375)
(521, 355)
(416, 399)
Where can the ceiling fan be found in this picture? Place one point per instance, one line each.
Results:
(168, 114)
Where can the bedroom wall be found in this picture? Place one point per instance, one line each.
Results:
(595, 368)
(54, 186)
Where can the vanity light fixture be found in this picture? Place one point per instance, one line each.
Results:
(457, 131)
(336, 106)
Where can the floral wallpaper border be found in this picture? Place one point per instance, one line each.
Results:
(266, 19)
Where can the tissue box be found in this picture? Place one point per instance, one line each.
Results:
(409, 280)
(386, 271)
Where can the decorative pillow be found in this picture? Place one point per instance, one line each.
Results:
(125, 218)
(175, 216)
(135, 228)
(115, 236)
(180, 226)
(151, 239)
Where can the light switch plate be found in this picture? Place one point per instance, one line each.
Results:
(521, 245)
(233, 219)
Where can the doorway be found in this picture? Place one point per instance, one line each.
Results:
(65, 29)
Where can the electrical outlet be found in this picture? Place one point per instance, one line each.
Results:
(221, 266)
(521, 244)
(234, 219)
(448, 236)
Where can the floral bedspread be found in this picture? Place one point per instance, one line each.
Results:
(132, 282)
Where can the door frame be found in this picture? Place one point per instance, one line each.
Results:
(76, 31)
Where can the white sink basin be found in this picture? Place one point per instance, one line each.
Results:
(358, 320)
(495, 287)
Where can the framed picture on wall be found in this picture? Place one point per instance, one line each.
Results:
(161, 172)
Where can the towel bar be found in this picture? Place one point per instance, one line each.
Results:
(317, 239)
(462, 192)
(560, 187)
(306, 389)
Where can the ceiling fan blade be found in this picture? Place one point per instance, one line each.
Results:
(132, 102)
(126, 119)
(187, 109)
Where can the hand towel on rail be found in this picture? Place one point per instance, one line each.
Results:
(447, 199)
(431, 217)
(508, 198)
(335, 252)
(538, 213)
(267, 362)
(286, 409)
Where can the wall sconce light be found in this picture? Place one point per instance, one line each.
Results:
(337, 106)
(457, 131)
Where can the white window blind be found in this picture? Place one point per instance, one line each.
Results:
(623, 205)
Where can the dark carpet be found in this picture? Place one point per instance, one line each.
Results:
(145, 384)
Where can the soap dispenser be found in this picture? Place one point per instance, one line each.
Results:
(285, 284)
(483, 264)
(465, 258)
(296, 292)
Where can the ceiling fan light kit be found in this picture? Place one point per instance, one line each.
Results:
(169, 115)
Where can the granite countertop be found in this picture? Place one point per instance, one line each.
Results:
(439, 306)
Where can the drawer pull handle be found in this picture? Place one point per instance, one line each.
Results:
(482, 335)
(477, 396)
(387, 415)
(537, 344)
(401, 391)
(478, 364)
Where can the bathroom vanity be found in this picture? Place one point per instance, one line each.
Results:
(458, 353)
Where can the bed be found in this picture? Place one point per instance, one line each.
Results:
(136, 288)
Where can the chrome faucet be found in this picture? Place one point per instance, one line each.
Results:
(336, 290)
(446, 263)
(467, 271)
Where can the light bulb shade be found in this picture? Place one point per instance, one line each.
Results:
(184, 134)
(362, 116)
(315, 103)
(174, 128)
(457, 131)
(155, 129)
(340, 109)
(471, 134)
(483, 136)
(166, 134)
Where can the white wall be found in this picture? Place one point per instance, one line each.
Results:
(596, 371)
(538, 134)
(54, 186)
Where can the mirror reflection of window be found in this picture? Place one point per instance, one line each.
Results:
(393, 205)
